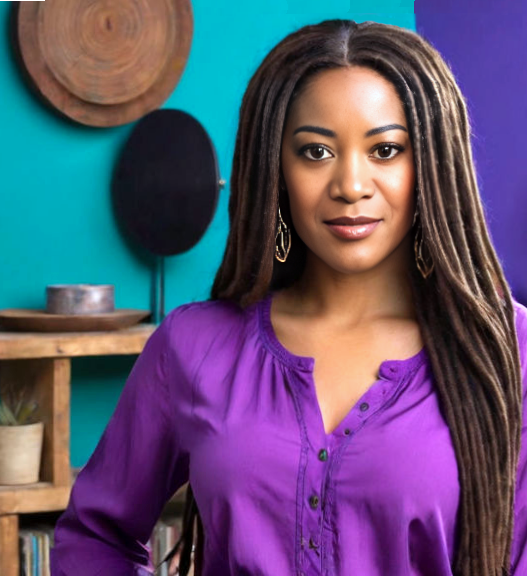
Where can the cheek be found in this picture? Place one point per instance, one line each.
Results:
(401, 210)
(303, 195)
(403, 201)
(400, 193)
(303, 206)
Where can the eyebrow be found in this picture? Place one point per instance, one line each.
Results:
(331, 134)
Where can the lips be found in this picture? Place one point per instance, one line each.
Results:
(353, 228)
(349, 221)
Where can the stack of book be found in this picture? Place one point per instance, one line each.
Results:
(36, 539)
(34, 545)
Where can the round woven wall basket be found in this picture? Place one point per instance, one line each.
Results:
(104, 62)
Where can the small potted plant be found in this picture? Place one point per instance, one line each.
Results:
(21, 437)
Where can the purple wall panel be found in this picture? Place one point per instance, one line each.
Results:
(486, 47)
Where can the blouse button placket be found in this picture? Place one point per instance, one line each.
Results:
(319, 541)
(312, 542)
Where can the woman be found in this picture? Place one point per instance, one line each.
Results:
(350, 399)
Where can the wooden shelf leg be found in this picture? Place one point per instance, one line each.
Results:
(53, 394)
(9, 561)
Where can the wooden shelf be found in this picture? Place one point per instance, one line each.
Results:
(42, 361)
(22, 345)
(39, 497)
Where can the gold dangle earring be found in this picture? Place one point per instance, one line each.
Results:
(282, 249)
(424, 267)
(285, 239)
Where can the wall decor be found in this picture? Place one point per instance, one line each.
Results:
(103, 62)
(165, 187)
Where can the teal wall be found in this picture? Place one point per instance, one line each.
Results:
(56, 222)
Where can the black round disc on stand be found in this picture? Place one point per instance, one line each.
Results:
(165, 188)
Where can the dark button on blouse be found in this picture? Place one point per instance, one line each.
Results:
(347, 431)
(364, 406)
(323, 455)
(313, 501)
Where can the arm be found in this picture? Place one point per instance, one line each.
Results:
(136, 467)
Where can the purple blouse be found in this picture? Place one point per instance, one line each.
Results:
(216, 399)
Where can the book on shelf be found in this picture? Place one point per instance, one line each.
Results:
(35, 542)
(37, 538)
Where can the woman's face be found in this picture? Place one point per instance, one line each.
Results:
(346, 152)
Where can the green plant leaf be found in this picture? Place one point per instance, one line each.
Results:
(27, 410)
(6, 416)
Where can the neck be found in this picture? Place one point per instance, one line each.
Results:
(355, 298)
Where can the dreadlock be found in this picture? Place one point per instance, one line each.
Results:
(465, 308)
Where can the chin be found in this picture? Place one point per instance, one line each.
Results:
(356, 266)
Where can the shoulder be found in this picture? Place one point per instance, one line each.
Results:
(192, 328)
(520, 312)
(205, 315)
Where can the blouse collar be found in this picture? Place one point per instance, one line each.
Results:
(388, 368)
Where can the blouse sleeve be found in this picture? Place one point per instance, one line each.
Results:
(519, 544)
(136, 467)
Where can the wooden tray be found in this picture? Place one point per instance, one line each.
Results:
(23, 320)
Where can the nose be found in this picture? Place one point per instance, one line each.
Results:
(352, 178)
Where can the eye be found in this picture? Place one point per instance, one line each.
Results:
(316, 152)
(385, 148)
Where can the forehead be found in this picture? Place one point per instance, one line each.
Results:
(334, 96)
